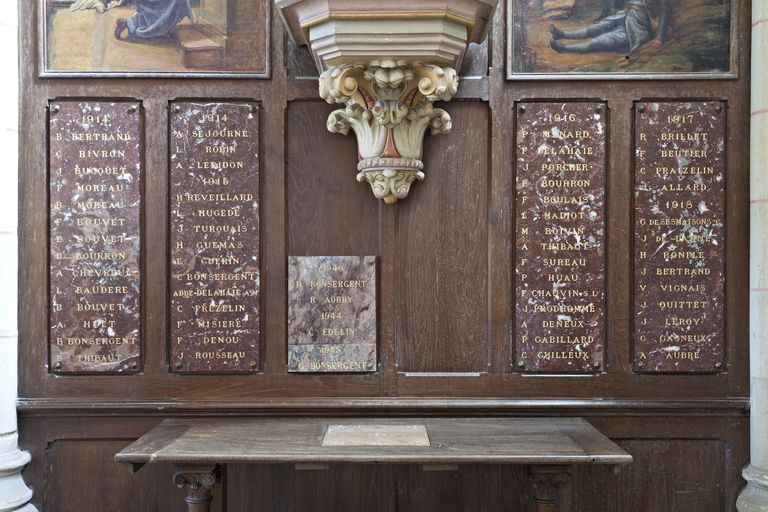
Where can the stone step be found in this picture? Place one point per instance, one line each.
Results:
(198, 50)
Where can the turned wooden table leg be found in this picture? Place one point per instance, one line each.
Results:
(199, 482)
(547, 483)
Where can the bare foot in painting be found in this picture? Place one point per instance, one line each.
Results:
(100, 8)
(656, 43)
(120, 27)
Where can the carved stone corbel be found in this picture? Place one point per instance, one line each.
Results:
(387, 63)
(198, 483)
(389, 106)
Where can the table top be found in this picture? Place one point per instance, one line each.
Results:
(372, 440)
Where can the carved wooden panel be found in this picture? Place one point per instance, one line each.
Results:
(96, 178)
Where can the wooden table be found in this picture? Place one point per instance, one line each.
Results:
(548, 446)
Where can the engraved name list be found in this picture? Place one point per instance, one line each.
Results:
(679, 236)
(95, 182)
(214, 237)
(560, 232)
(332, 313)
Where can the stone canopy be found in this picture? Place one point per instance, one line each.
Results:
(343, 31)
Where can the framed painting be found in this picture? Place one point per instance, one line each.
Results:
(154, 38)
(621, 39)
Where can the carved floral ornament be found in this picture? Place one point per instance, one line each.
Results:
(387, 64)
(389, 106)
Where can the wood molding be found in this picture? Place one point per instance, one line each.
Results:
(728, 407)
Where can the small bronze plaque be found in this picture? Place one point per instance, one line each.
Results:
(95, 183)
(679, 237)
(560, 234)
(332, 313)
(215, 276)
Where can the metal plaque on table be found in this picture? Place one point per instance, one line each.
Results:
(95, 184)
(332, 313)
(560, 237)
(214, 237)
(679, 255)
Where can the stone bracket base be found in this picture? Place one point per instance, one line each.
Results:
(754, 498)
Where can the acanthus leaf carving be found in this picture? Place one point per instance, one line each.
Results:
(198, 483)
(389, 106)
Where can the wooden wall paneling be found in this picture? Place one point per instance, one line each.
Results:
(618, 237)
(32, 227)
(298, 61)
(456, 232)
(156, 381)
(72, 467)
(487, 488)
(443, 252)
(661, 444)
(668, 474)
(737, 232)
(93, 481)
(272, 211)
(155, 233)
(619, 381)
(375, 488)
(707, 454)
(283, 488)
(156, 384)
(477, 60)
(501, 190)
(329, 212)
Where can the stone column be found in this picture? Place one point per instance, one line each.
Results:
(14, 495)
(755, 497)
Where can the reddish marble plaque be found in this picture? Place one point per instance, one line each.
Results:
(95, 179)
(679, 237)
(214, 237)
(560, 234)
(332, 314)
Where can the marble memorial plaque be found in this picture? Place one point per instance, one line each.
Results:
(376, 435)
(679, 254)
(95, 180)
(214, 237)
(332, 313)
(560, 237)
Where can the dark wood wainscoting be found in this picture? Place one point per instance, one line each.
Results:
(446, 320)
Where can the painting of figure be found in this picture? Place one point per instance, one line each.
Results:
(619, 38)
(154, 19)
(155, 37)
